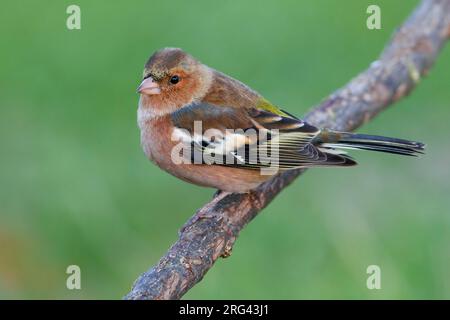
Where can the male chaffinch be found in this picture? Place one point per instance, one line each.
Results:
(181, 99)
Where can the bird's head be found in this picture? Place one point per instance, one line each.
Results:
(172, 78)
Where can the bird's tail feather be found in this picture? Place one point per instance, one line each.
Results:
(344, 140)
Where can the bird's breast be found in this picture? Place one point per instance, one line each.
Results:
(156, 140)
(159, 138)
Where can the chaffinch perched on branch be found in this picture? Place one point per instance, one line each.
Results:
(209, 129)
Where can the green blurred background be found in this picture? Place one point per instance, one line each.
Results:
(75, 187)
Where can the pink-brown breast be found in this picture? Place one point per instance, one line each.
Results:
(157, 143)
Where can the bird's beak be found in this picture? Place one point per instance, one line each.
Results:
(148, 86)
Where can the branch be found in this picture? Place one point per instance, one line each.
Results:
(212, 231)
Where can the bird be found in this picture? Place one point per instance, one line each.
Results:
(209, 129)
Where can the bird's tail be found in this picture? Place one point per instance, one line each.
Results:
(345, 140)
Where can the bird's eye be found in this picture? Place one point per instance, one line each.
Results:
(174, 79)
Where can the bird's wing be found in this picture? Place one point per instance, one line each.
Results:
(253, 138)
(293, 142)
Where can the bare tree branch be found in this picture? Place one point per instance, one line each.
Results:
(212, 231)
